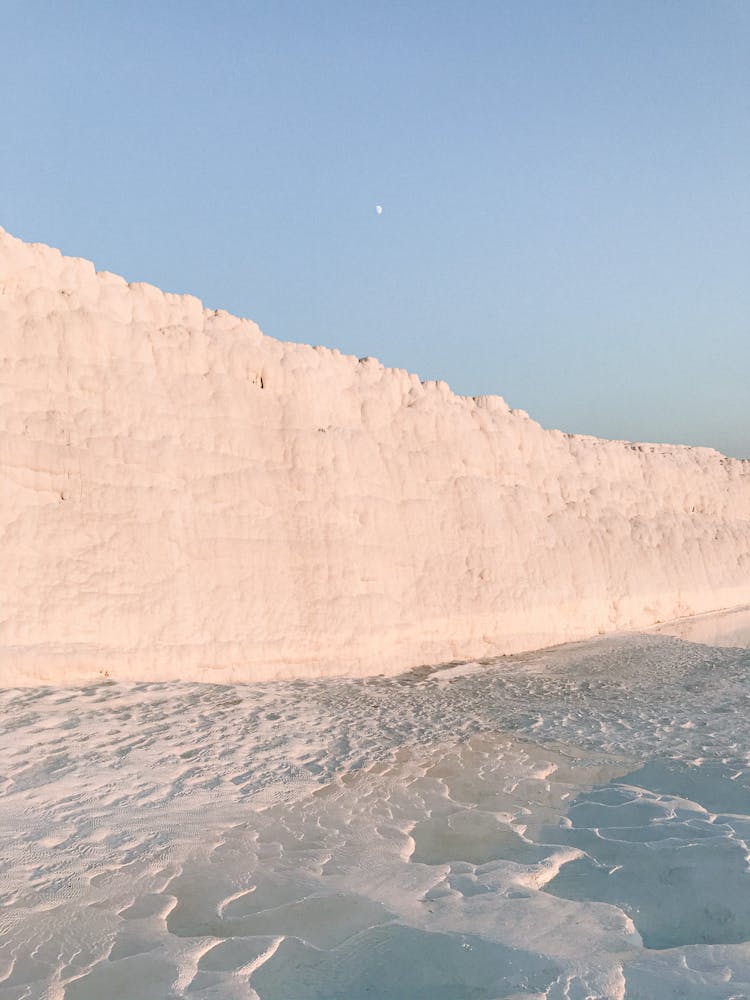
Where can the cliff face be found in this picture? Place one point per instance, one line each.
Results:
(181, 496)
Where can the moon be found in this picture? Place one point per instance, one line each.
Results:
(379, 209)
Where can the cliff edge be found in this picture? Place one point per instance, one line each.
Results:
(184, 497)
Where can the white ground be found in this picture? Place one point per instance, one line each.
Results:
(568, 824)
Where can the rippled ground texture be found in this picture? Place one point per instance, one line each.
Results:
(569, 824)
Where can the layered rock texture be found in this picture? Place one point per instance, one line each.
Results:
(184, 497)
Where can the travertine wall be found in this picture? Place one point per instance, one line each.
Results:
(181, 496)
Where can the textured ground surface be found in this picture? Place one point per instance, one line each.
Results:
(572, 824)
(184, 498)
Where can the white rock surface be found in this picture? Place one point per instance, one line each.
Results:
(183, 497)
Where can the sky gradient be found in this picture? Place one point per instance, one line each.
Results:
(565, 186)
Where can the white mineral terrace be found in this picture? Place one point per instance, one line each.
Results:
(184, 497)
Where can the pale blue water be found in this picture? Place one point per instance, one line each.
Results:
(568, 824)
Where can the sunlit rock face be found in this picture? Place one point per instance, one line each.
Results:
(181, 496)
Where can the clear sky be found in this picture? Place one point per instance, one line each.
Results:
(565, 185)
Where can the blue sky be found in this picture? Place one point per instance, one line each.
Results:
(565, 185)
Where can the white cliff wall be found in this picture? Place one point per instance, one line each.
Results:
(181, 496)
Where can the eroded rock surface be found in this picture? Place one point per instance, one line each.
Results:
(184, 497)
